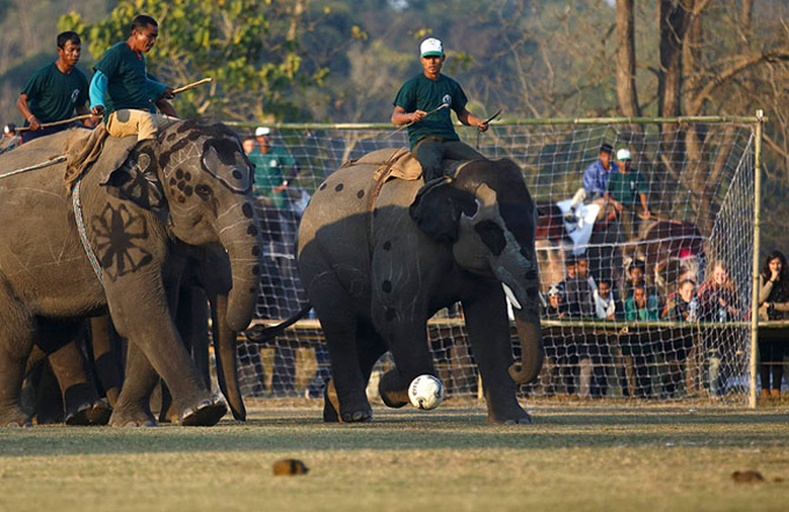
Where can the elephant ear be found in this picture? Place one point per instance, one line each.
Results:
(136, 179)
(438, 206)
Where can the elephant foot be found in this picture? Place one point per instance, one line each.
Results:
(331, 404)
(332, 412)
(132, 418)
(392, 392)
(97, 413)
(14, 417)
(513, 417)
(205, 414)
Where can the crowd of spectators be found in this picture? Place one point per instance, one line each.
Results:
(660, 357)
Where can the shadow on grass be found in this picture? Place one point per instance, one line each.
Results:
(289, 431)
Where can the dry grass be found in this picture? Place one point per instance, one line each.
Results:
(575, 457)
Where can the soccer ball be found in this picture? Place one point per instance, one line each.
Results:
(426, 392)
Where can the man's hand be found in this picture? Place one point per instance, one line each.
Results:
(33, 123)
(482, 126)
(168, 93)
(417, 116)
(97, 111)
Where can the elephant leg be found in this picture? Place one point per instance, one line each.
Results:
(370, 348)
(489, 336)
(81, 402)
(411, 354)
(107, 356)
(133, 405)
(152, 331)
(16, 343)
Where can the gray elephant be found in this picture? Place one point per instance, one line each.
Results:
(379, 257)
(109, 247)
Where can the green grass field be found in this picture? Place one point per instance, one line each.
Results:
(574, 457)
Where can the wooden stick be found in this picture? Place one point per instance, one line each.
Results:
(10, 129)
(192, 85)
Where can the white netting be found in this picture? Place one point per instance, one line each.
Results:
(701, 197)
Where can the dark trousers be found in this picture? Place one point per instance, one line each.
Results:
(431, 151)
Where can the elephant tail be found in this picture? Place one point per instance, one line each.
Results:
(261, 334)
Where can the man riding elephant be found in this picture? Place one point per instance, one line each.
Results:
(423, 104)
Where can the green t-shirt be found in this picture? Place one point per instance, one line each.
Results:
(422, 93)
(53, 95)
(626, 188)
(126, 79)
(270, 169)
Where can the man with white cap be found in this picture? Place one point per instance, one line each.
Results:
(272, 165)
(626, 190)
(423, 103)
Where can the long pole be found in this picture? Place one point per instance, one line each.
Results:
(757, 196)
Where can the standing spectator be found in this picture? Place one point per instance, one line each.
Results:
(595, 181)
(121, 90)
(626, 190)
(718, 302)
(637, 349)
(681, 306)
(55, 91)
(579, 287)
(555, 349)
(636, 272)
(431, 133)
(774, 305)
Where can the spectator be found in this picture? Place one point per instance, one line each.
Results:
(605, 301)
(556, 309)
(626, 190)
(718, 302)
(636, 272)
(431, 132)
(55, 91)
(681, 306)
(579, 289)
(774, 305)
(641, 307)
(595, 181)
(121, 90)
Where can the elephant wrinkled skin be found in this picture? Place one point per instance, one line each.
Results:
(193, 186)
(377, 269)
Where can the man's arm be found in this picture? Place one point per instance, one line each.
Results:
(469, 119)
(401, 117)
(24, 109)
(98, 84)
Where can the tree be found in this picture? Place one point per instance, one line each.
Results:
(250, 48)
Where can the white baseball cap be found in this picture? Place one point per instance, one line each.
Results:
(623, 154)
(431, 47)
(262, 131)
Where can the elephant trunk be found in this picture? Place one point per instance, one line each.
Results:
(243, 244)
(528, 368)
(225, 351)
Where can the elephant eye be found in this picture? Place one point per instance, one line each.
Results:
(204, 191)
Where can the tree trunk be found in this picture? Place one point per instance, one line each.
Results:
(626, 59)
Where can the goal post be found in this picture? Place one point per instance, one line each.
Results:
(702, 181)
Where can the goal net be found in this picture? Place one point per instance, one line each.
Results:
(634, 307)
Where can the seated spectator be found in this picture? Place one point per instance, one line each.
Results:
(556, 309)
(640, 306)
(604, 301)
(681, 305)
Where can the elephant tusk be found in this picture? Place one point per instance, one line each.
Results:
(511, 295)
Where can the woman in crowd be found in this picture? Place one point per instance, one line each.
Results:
(773, 305)
(718, 302)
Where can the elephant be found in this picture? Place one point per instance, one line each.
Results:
(378, 257)
(110, 245)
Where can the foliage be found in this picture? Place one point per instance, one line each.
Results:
(242, 44)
